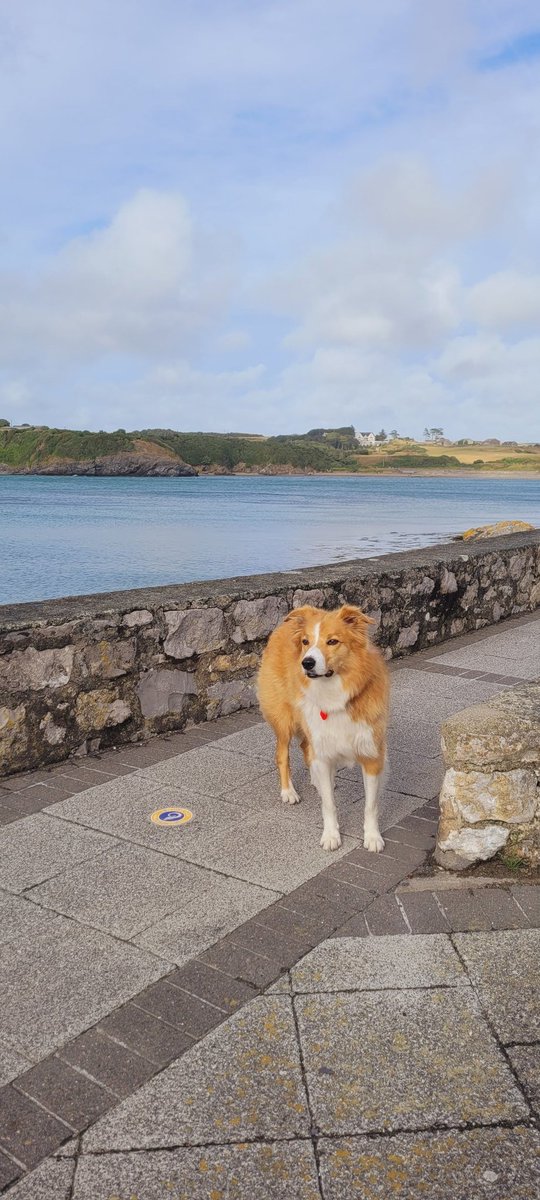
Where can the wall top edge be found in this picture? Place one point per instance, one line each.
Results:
(98, 604)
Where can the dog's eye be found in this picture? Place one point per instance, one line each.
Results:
(332, 642)
(305, 641)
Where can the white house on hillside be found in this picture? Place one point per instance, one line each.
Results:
(365, 439)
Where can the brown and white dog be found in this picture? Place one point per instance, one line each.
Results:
(322, 680)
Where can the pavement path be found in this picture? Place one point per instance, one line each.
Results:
(222, 1010)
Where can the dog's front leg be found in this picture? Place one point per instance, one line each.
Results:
(322, 775)
(372, 787)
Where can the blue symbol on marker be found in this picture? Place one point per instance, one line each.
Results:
(171, 815)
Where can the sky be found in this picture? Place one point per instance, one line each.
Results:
(270, 215)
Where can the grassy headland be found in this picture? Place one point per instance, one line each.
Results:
(40, 450)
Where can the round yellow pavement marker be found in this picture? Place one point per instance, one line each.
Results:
(168, 817)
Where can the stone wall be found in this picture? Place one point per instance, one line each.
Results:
(91, 671)
(490, 797)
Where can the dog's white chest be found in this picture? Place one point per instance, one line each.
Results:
(334, 736)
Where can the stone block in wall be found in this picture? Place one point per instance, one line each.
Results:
(313, 596)
(34, 670)
(164, 691)
(52, 732)
(13, 735)
(463, 847)
(473, 796)
(194, 631)
(230, 696)
(99, 710)
(503, 733)
(492, 753)
(137, 618)
(257, 618)
(408, 636)
(108, 659)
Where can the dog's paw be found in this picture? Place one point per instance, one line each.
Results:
(290, 795)
(373, 842)
(331, 840)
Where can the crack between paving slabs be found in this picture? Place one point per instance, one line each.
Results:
(533, 1119)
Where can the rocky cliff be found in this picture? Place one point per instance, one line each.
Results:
(123, 463)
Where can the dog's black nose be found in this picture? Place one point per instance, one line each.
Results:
(308, 664)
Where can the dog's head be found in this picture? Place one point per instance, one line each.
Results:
(325, 641)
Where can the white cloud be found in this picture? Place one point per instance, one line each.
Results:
(337, 200)
(505, 300)
(145, 284)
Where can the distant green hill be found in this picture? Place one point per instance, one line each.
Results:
(38, 448)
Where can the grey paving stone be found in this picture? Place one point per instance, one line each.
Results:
(202, 919)
(37, 847)
(123, 808)
(27, 1132)
(243, 1081)
(108, 1062)
(503, 967)
(207, 983)
(346, 964)
(477, 1164)
(61, 978)
(12, 1063)
(528, 898)
(258, 742)
(272, 1171)
(423, 913)
(403, 1060)
(208, 771)
(18, 917)
(124, 890)
(385, 916)
(282, 848)
(9, 1170)
(65, 1092)
(526, 1062)
(50, 1181)
(414, 776)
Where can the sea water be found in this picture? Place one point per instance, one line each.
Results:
(64, 536)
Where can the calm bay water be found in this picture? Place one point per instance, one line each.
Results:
(67, 536)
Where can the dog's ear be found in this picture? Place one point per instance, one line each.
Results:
(296, 621)
(353, 616)
(298, 616)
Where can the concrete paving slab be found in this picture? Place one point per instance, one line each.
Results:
(123, 808)
(19, 917)
(124, 890)
(12, 1063)
(271, 1171)
(61, 978)
(258, 741)
(201, 920)
(281, 847)
(504, 969)
(477, 1164)
(243, 1081)
(399, 1060)
(52, 1180)
(526, 1063)
(346, 964)
(37, 847)
(207, 771)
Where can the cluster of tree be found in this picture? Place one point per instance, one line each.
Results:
(432, 435)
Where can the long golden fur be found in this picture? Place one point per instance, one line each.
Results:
(339, 715)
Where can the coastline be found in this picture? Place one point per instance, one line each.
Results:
(383, 473)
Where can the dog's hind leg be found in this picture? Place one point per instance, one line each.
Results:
(322, 776)
(373, 772)
(289, 795)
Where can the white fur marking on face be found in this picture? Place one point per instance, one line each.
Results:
(314, 652)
